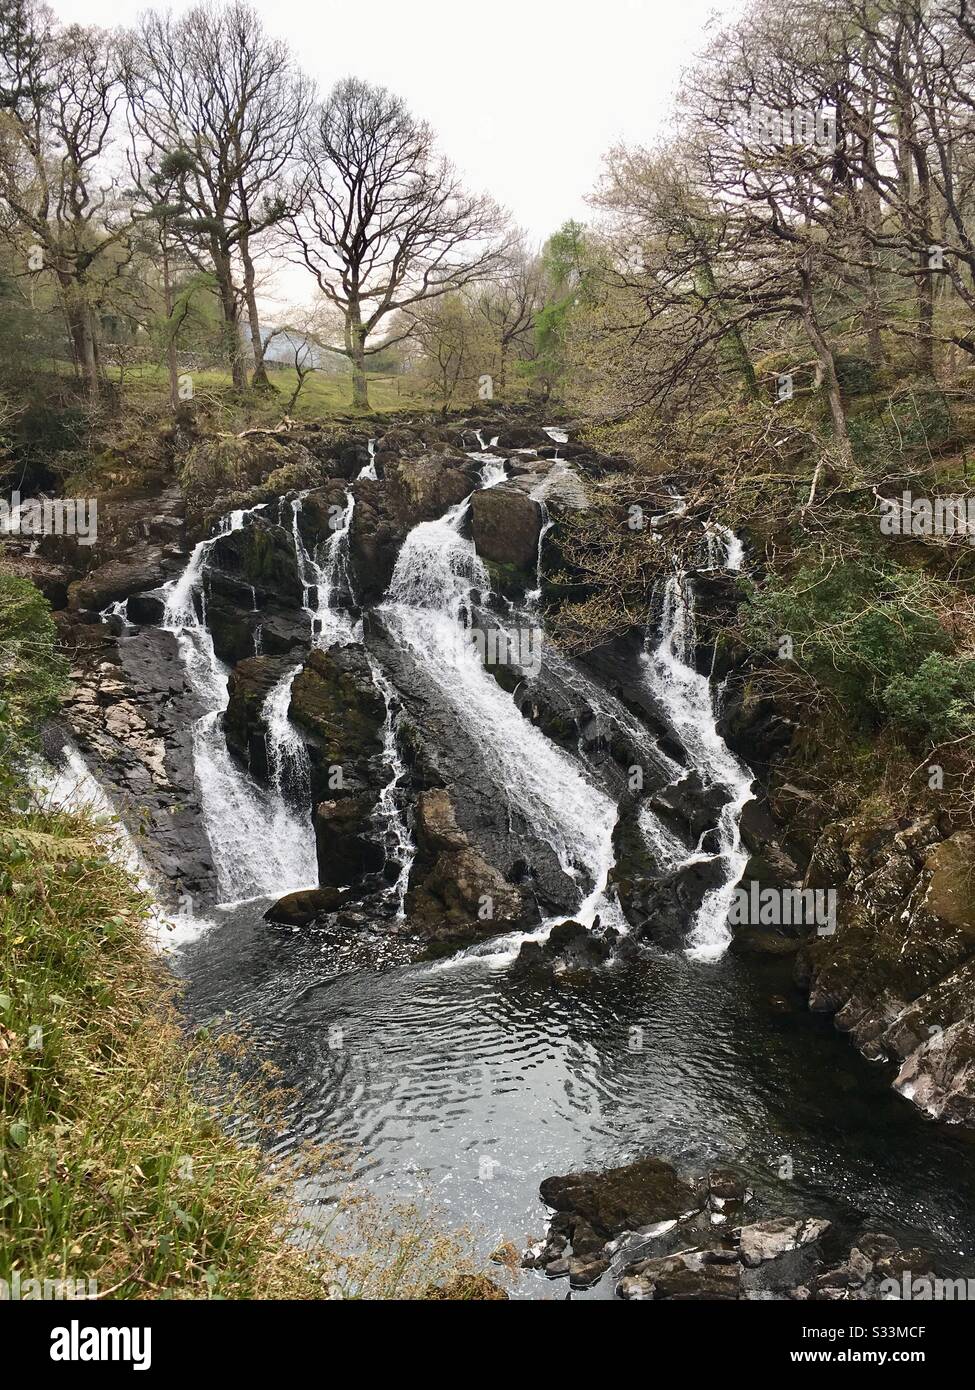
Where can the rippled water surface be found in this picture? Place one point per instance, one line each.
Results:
(464, 1086)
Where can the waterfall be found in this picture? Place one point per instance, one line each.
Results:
(260, 846)
(686, 696)
(322, 582)
(388, 815)
(429, 596)
(287, 755)
(369, 470)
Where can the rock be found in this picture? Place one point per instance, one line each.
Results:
(146, 608)
(117, 579)
(248, 687)
(422, 489)
(374, 541)
(506, 525)
(686, 1276)
(298, 909)
(262, 555)
(335, 701)
(621, 1199)
(756, 941)
(345, 842)
(454, 891)
(767, 1240)
(570, 946)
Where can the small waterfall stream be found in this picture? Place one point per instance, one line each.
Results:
(260, 845)
(688, 699)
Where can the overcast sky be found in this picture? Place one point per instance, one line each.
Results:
(525, 95)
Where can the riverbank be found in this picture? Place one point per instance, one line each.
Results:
(117, 1173)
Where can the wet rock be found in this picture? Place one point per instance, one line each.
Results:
(570, 947)
(374, 541)
(767, 1240)
(895, 972)
(345, 842)
(146, 608)
(335, 702)
(757, 941)
(245, 729)
(298, 909)
(686, 1276)
(454, 892)
(262, 555)
(621, 1199)
(506, 525)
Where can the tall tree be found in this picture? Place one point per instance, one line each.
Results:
(59, 89)
(214, 86)
(385, 223)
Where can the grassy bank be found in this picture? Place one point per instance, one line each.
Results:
(111, 1166)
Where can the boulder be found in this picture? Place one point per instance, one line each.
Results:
(298, 909)
(454, 892)
(335, 701)
(621, 1199)
(117, 579)
(345, 841)
(767, 1240)
(506, 525)
(422, 489)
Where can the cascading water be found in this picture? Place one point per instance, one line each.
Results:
(260, 846)
(388, 815)
(430, 594)
(369, 470)
(687, 699)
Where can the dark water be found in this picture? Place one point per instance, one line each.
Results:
(462, 1087)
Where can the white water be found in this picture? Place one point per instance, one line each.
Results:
(321, 581)
(429, 596)
(71, 786)
(686, 696)
(388, 815)
(260, 846)
(369, 469)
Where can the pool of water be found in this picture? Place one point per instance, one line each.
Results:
(461, 1087)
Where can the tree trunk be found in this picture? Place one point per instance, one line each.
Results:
(89, 352)
(355, 338)
(259, 379)
(228, 303)
(172, 363)
(825, 355)
(732, 343)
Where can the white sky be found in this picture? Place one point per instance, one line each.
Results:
(525, 95)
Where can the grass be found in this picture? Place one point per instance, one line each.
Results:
(321, 395)
(113, 1166)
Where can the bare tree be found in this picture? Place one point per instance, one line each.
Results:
(509, 303)
(386, 223)
(214, 86)
(60, 89)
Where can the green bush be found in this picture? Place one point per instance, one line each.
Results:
(871, 634)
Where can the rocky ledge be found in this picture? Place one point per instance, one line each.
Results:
(657, 1235)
